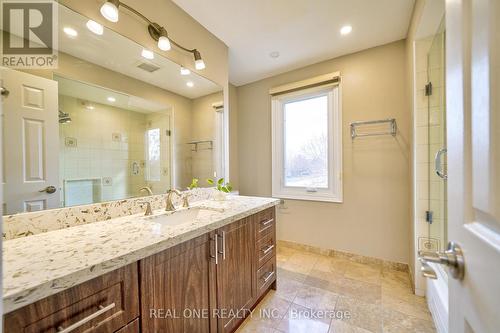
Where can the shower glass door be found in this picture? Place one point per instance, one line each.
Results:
(437, 196)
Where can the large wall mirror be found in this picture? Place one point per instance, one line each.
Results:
(112, 119)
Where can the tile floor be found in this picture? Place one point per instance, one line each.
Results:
(320, 294)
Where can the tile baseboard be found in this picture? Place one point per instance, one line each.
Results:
(398, 266)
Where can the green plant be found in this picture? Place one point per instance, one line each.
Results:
(220, 185)
(194, 184)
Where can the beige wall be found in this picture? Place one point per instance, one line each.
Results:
(374, 218)
(203, 128)
(233, 137)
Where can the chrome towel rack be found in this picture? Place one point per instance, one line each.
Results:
(392, 128)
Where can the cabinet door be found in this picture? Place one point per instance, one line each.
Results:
(235, 288)
(177, 291)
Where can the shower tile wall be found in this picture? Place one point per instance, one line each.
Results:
(429, 138)
(101, 146)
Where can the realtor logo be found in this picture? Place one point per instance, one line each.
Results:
(29, 38)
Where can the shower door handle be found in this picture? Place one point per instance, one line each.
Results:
(438, 166)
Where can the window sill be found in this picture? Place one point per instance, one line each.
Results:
(305, 197)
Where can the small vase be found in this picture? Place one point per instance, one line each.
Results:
(220, 196)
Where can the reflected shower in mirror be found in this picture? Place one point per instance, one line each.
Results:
(109, 122)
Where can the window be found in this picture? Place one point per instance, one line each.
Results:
(307, 144)
(153, 154)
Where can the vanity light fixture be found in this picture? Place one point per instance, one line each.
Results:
(70, 32)
(345, 30)
(110, 11)
(185, 71)
(190, 84)
(95, 27)
(148, 54)
(111, 99)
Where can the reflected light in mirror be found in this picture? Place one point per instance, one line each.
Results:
(111, 99)
(70, 32)
(190, 84)
(148, 54)
(185, 71)
(346, 29)
(95, 27)
(110, 11)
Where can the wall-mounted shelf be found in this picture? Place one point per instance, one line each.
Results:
(204, 144)
(370, 128)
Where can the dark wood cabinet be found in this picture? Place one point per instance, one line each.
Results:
(235, 287)
(205, 285)
(104, 304)
(178, 288)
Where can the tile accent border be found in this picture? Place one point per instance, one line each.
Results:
(27, 224)
(346, 255)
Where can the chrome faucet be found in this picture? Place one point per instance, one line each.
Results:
(169, 206)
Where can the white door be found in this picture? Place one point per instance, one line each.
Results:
(473, 113)
(30, 143)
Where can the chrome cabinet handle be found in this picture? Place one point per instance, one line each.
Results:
(438, 165)
(269, 275)
(267, 249)
(216, 250)
(265, 223)
(85, 320)
(223, 252)
(49, 190)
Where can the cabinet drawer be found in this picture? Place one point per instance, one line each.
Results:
(104, 304)
(133, 327)
(266, 222)
(266, 275)
(265, 248)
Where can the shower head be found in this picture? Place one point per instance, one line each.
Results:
(64, 117)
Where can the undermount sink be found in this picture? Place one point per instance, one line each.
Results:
(179, 217)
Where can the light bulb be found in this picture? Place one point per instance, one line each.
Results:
(199, 64)
(95, 27)
(148, 54)
(111, 99)
(164, 43)
(110, 10)
(185, 71)
(190, 84)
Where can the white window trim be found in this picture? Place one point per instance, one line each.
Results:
(334, 193)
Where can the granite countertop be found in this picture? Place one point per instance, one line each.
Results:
(41, 265)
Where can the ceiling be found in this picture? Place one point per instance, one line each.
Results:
(117, 53)
(304, 32)
(90, 93)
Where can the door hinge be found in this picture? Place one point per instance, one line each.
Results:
(428, 89)
(168, 133)
(428, 216)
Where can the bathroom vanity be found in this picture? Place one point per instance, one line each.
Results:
(138, 274)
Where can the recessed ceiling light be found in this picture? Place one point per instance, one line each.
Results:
(274, 54)
(95, 27)
(70, 32)
(345, 30)
(148, 54)
(190, 84)
(111, 99)
(185, 71)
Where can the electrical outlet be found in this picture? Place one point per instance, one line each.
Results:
(107, 181)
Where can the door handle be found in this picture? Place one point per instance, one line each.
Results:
(4, 92)
(102, 309)
(452, 258)
(438, 166)
(49, 189)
